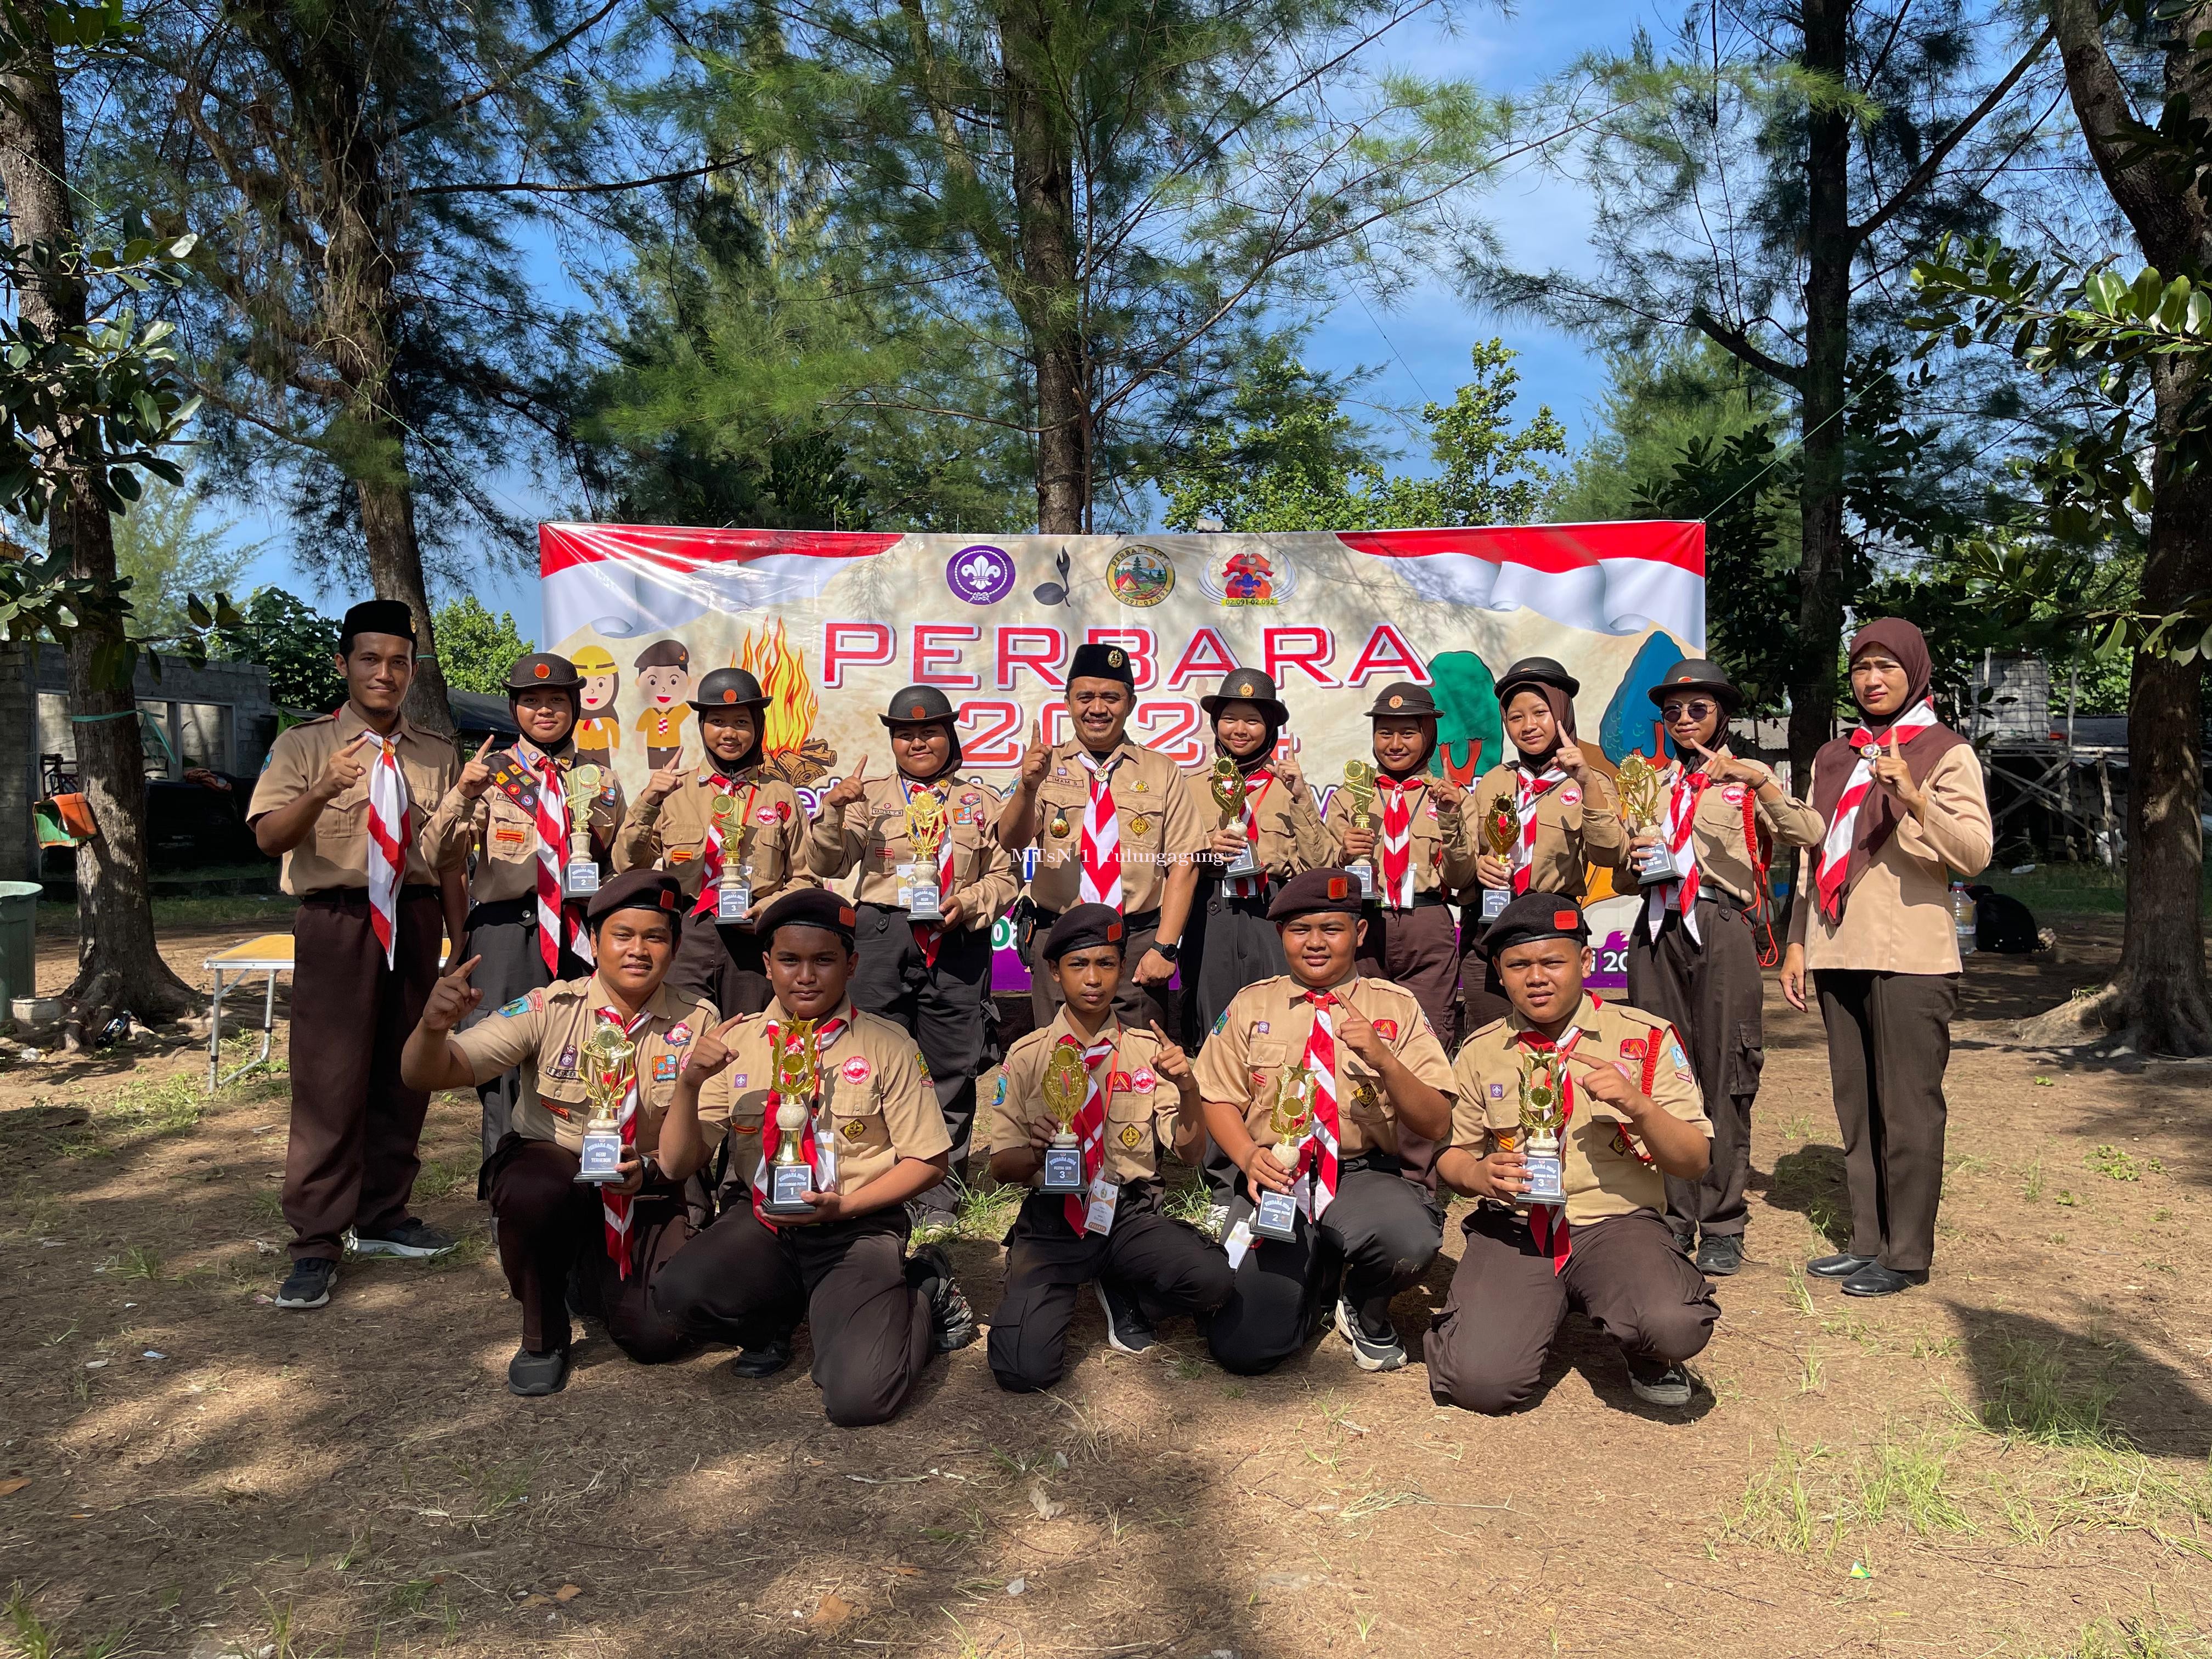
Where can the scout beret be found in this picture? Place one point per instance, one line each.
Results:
(1534, 916)
(1101, 662)
(1085, 926)
(637, 889)
(1248, 685)
(728, 688)
(1696, 674)
(1403, 700)
(541, 669)
(917, 703)
(1316, 891)
(811, 907)
(376, 617)
(1535, 670)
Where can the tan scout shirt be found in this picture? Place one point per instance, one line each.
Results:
(335, 854)
(671, 835)
(1159, 826)
(1141, 1105)
(1600, 1169)
(505, 837)
(1262, 1034)
(1897, 911)
(544, 1032)
(869, 835)
(1716, 833)
(1292, 839)
(1442, 851)
(1576, 825)
(881, 1104)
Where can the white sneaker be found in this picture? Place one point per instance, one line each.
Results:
(1215, 1222)
(1371, 1351)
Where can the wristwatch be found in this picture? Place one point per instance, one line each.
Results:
(1171, 951)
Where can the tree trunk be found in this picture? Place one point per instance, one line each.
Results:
(395, 567)
(1049, 299)
(116, 947)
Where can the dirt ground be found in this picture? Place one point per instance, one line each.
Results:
(2013, 1461)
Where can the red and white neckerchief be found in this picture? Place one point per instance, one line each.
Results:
(1833, 867)
(1547, 1223)
(1088, 1125)
(1101, 881)
(391, 833)
(614, 1208)
(1255, 789)
(1686, 790)
(1319, 1152)
(1396, 841)
(826, 1034)
(710, 857)
(552, 821)
(930, 935)
(1528, 788)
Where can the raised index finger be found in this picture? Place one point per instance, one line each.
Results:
(484, 748)
(465, 968)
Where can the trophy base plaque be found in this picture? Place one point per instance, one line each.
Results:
(599, 1162)
(1244, 864)
(1366, 874)
(1276, 1217)
(734, 901)
(1544, 1173)
(1657, 866)
(581, 879)
(1494, 901)
(788, 1184)
(927, 902)
(1063, 1171)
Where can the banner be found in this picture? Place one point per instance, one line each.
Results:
(833, 624)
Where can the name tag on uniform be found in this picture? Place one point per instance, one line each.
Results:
(1105, 1198)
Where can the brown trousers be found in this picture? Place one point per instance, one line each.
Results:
(352, 1158)
(1889, 1039)
(720, 965)
(744, 1283)
(1709, 994)
(1487, 1351)
(1417, 949)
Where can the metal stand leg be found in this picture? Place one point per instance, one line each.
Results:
(268, 1034)
(215, 1032)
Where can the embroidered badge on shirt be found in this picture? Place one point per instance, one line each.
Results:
(510, 835)
(1386, 1029)
(1137, 786)
(1632, 1047)
(520, 1006)
(1222, 1024)
(1118, 1083)
(567, 1061)
(854, 1130)
(740, 1082)
(857, 1069)
(1259, 1028)
(921, 1064)
(1498, 1091)
(1680, 1060)
(678, 1034)
(682, 854)
(1621, 1143)
(767, 816)
(1571, 796)
(1733, 794)
(1133, 1137)
(1142, 1080)
(664, 1068)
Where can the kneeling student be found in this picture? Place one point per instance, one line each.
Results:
(1136, 1095)
(871, 1136)
(1308, 1080)
(1613, 1086)
(555, 1232)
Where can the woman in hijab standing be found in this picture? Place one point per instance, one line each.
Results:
(1902, 798)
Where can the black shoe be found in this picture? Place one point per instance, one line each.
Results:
(533, 1373)
(1720, 1254)
(308, 1284)
(1687, 1243)
(415, 1240)
(1874, 1280)
(763, 1359)
(1657, 1382)
(952, 1321)
(1126, 1328)
(1842, 1266)
(1374, 1346)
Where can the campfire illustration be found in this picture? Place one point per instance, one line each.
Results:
(790, 750)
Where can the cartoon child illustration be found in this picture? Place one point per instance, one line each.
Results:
(598, 730)
(664, 677)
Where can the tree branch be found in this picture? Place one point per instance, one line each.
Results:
(509, 78)
(541, 188)
(1738, 344)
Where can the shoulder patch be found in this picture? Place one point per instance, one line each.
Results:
(1221, 1025)
(1387, 1029)
(528, 1001)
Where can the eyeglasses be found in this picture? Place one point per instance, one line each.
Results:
(1676, 711)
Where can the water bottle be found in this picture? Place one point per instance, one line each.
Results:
(1962, 917)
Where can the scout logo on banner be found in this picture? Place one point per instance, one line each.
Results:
(833, 624)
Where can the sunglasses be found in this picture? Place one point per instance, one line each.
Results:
(1695, 711)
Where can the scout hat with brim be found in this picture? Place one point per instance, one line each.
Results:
(728, 688)
(1248, 685)
(541, 671)
(925, 705)
(1696, 674)
(1404, 701)
(1536, 671)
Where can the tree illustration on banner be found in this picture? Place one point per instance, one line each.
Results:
(1470, 731)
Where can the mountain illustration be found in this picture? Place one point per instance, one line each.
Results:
(1631, 719)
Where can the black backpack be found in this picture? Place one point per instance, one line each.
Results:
(2001, 923)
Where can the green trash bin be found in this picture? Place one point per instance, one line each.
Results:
(19, 958)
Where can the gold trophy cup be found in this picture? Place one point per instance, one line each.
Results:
(1359, 789)
(1501, 828)
(1230, 789)
(1541, 1077)
(1066, 1085)
(1640, 787)
(1275, 1215)
(580, 877)
(608, 1055)
(733, 899)
(925, 830)
(798, 1076)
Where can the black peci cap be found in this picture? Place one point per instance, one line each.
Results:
(376, 617)
(1534, 916)
(541, 671)
(1101, 662)
(1316, 891)
(637, 889)
(1079, 929)
(727, 688)
(811, 907)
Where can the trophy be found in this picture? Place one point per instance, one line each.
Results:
(1067, 1086)
(734, 897)
(797, 1075)
(925, 829)
(1541, 1121)
(1359, 785)
(1276, 1214)
(607, 1057)
(1501, 828)
(1638, 783)
(1230, 789)
(581, 876)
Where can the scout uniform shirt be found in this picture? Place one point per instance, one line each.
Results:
(1442, 851)
(1262, 1034)
(879, 1105)
(1716, 834)
(871, 836)
(1578, 825)
(1601, 1165)
(505, 836)
(672, 834)
(335, 852)
(1158, 826)
(1897, 912)
(1292, 839)
(544, 1032)
(1140, 1104)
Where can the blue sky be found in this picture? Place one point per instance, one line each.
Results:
(1419, 344)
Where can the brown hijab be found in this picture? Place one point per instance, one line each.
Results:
(1832, 766)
